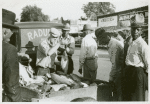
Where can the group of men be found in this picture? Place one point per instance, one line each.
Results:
(130, 63)
(129, 55)
(51, 50)
(129, 82)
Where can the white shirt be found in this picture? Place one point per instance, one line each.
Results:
(88, 48)
(138, 54)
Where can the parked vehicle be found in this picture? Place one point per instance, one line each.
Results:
(31, 34)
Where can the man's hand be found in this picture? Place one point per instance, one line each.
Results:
(61, 50)
(80, 71)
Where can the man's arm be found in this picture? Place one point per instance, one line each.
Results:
(44, 48)
(145, 56)
(83, 52)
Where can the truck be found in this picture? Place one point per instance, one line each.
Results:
(26, 37)
(121, 20)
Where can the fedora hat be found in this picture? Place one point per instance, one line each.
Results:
(66, 27)
(87, 27)
(137, 21)
(55, 32)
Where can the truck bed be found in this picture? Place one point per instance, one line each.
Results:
(69, 95)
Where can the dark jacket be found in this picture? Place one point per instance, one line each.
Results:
(10, 73)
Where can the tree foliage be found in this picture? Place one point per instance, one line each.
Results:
(94, 9)
(33, 13)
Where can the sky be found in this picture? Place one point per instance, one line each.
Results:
(68, 9)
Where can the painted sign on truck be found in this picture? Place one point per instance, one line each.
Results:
(33, 35)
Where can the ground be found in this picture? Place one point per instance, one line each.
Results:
(104, 64)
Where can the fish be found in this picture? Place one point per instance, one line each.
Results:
(75, 77)
(57, 87)
(61, 79)
(64, 62)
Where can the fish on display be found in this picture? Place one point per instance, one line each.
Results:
(61, 79)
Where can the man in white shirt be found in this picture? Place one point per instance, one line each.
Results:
(88, 56)
(137, 61)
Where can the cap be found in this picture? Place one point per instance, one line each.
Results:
(55, 32)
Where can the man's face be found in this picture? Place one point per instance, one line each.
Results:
(65, 32)
(87, 32)
(53, 40)
(135, 32)
(7, 36)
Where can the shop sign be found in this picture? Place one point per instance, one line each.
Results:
(107, 21)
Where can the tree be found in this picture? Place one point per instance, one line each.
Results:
(94, 9)
(33, 13)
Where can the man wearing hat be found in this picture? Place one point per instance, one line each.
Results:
(46, 53)
(68, 46)
(10, 70)
(12, 92)
(88, 54)
(137, 61)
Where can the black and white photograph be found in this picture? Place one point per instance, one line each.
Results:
(75, 51)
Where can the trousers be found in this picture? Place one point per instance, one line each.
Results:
(135, 84)
(90, 68)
